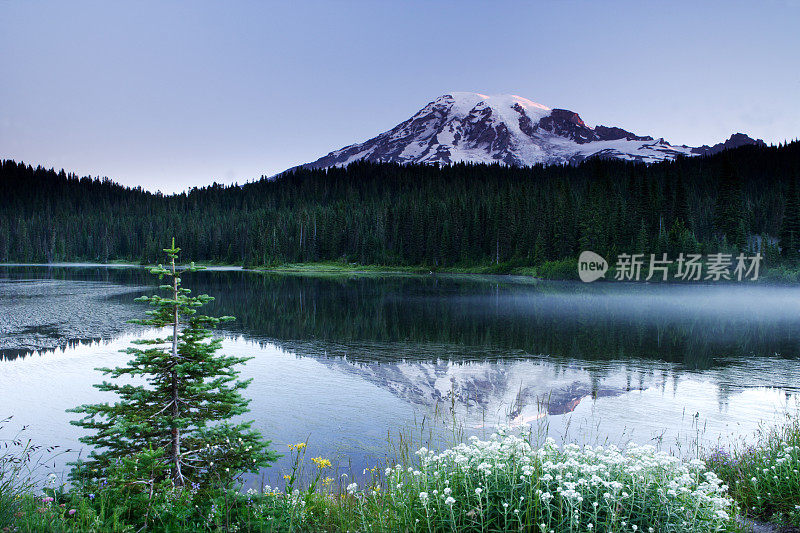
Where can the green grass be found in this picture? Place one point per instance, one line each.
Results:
(765, 478)
(560, 270)
(503, 483)
(566, 269)
(785, 272)
(335, 267)
(21, 462)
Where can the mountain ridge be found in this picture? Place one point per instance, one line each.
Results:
(511, 130)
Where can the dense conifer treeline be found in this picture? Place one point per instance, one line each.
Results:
(460, 215)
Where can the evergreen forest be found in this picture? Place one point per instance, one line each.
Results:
(462, 215)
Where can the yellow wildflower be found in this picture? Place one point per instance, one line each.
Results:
(321, 462)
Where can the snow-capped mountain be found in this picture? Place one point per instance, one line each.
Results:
(476, 128)
(515, 392)
(475, 380)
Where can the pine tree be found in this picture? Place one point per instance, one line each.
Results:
(642, 245)
(790, 225)
(729, 209)
(681, 207)
(184, 408)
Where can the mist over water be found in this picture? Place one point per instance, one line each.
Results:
(346, 361)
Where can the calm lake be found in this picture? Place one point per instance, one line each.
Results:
(349, 362)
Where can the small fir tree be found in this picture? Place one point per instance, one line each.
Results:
(185, 404)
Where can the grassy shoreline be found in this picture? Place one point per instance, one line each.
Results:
(562, 270)
(503, 483)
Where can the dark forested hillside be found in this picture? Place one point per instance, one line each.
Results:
(461, 215)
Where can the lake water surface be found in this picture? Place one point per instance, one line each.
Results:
(347, 362)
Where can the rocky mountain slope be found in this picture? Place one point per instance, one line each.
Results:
(511, 130)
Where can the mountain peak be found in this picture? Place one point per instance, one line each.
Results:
(508, 129)
(493, 100)
(462, 103)
(735, 141)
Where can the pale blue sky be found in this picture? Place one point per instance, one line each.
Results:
(169, 95)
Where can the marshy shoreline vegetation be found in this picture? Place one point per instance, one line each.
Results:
(560, 270)
(784, 272)
(155, 469)
(510, 481)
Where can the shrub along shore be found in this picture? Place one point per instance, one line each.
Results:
(502, 483)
